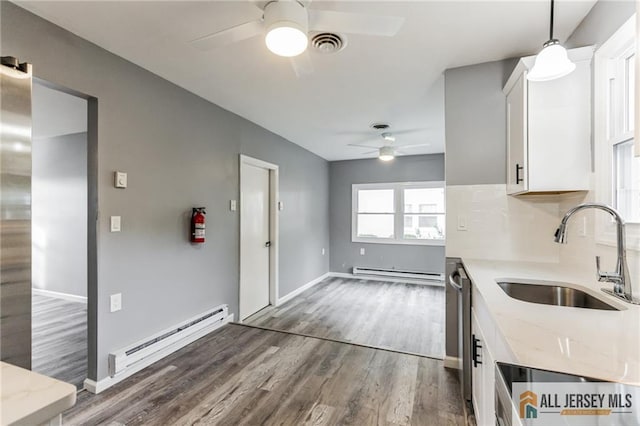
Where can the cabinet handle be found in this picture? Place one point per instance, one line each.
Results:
(475, 353)
(518, 178)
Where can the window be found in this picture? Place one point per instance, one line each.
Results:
(399, 213)
(617, 168)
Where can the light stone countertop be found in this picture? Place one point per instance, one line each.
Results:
(595, 343)
(30, 398)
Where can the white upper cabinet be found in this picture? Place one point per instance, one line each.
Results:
(549, 129)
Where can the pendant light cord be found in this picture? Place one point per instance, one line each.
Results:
(551, 23)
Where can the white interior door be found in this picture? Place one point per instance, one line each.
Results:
(254, 244)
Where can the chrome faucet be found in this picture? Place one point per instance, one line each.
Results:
(621, 278)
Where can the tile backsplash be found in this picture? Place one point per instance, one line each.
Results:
(501, 227)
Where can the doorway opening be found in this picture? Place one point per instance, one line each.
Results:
(258, 236)
(61, 232)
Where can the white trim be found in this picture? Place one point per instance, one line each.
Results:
(386, 279)
(452, 362)
(58, 295)
(398, 213)
(103, 384)
(605, 233)
(274, 228)
(301, 289)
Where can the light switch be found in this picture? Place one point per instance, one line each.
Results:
(115, 223)
(280, 205)
(233, 205)
(116, 302)
(362, 251)
(323, 252)
(120, 179)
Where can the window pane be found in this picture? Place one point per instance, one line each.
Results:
(375, 201)
(630, 93)
(424, 200)
(375, 225)
(627, 181)
(424, 227)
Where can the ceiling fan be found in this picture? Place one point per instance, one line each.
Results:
(286, 24)
(389, 149)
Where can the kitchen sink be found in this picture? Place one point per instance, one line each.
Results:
(551, 293)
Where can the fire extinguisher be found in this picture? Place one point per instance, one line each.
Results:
(197, 225)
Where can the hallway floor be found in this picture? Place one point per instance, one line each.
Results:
(402, 317)
(241, 375)
(59, 339)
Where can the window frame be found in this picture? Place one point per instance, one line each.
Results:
(616, 49)
(399, 212)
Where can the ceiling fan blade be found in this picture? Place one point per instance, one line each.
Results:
(413, 145)
(302, 64)
(354, 23)
(409, 131)
(362, 146)
(371, 152)
(229, 36)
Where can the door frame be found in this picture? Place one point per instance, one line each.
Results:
(92, 221)
(274, 196)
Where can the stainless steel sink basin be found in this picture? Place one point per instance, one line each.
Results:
(553, 294)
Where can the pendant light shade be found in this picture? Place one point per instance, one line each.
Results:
(553, 61)
(386, 153)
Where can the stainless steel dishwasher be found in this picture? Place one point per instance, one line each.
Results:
(459, 281)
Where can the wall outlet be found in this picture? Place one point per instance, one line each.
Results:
(116, 302)
(323, 252)
(115, 224)
(361, 251)
(120, 179)
(280, 206)
(462, 223)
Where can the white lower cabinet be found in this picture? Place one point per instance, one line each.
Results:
(483, 375)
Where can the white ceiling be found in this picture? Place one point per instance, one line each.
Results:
(375, 79)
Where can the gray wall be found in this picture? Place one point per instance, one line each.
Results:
(180, 151)
(346, 254)
(59, 214)
(475, 123)
(602, 21)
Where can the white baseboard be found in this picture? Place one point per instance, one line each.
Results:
(299, 290)
(433, 283)
(453, 362)
(103, 384)
(58, 295)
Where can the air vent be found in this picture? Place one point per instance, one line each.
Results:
(328, 42)
(380, 126)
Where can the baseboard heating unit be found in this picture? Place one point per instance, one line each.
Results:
(133, 358)
(399, 273)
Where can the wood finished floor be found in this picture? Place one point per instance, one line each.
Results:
(404, 317)
(59, 339)
(241, 375)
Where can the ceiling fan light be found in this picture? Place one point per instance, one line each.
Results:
(551, 63)
(386, 153)
(286, 41)
(287, 24)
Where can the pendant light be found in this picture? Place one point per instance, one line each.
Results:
(552, 62)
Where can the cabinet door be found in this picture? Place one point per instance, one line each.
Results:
(517, 169)
(477, 380)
